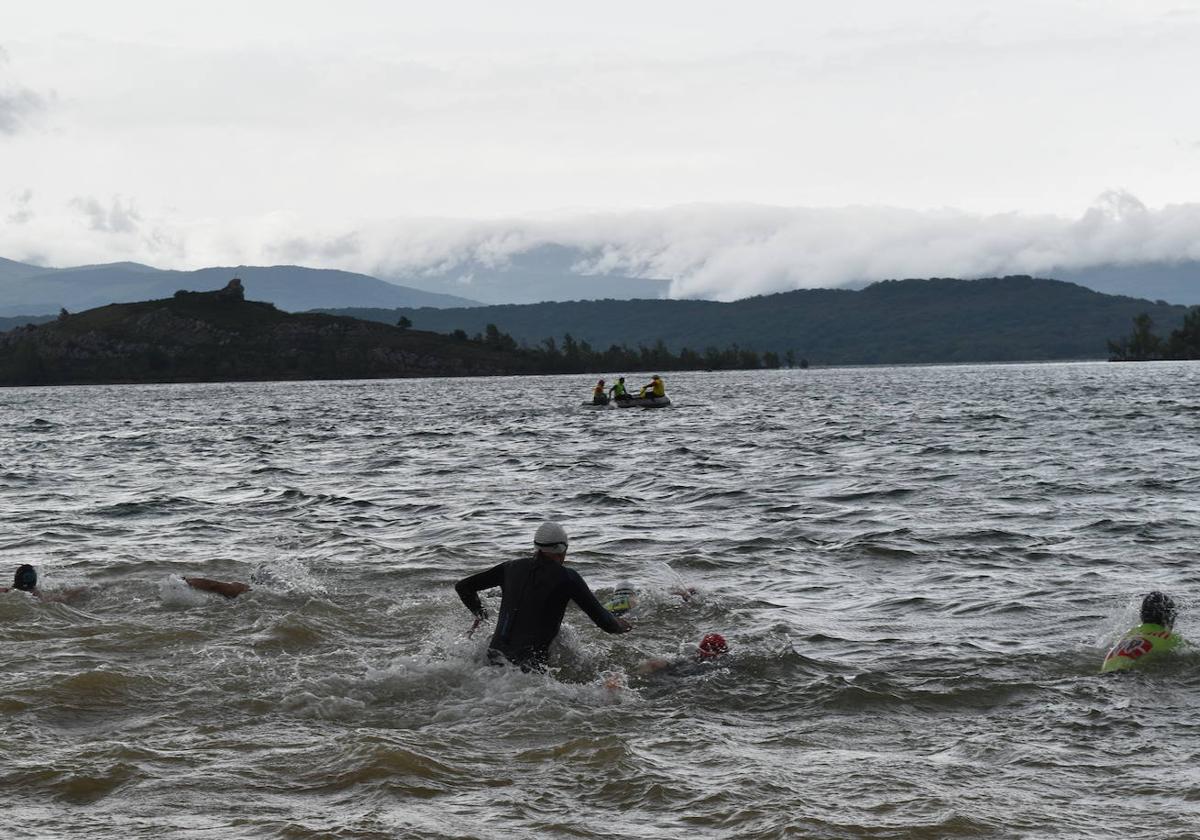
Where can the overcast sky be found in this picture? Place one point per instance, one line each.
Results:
(735, 147)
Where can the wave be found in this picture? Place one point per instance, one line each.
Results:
(916, 611)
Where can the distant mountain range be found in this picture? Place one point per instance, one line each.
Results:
(542, 273)
(548, 273)
(33, 290)
(551, 273)
(7, 324)
(898, 321)
(1171, 282)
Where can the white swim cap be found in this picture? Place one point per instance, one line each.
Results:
(551, 538)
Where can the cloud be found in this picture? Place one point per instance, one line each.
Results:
(115, 218)
(727, 252)
(18, 104)
(122, 233)
(721, 252)
(299, 249)
(22, 212)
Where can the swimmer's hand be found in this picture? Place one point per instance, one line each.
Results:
(614, 681)
(480, 617)
(625, 625)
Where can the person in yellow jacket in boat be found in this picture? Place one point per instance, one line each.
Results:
(654, 388)
(1150, 639)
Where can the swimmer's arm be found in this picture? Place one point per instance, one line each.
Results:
(468, 588)
(587, 602)
(61, 596)
(37, 593)
(230, 589)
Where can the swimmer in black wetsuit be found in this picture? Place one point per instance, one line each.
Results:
(26, 580)
(535, 591)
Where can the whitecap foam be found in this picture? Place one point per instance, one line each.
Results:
(174, 591)
(287, 576)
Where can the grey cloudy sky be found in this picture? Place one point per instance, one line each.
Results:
(734, 147)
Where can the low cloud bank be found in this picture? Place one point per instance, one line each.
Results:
(721, 252)
(729, 252)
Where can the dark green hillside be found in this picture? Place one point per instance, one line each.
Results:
(898, 321)
(219, 336)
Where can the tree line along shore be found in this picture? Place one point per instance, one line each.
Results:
(220, 336)
(1144, 345)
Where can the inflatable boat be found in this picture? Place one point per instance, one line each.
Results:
(644, 402)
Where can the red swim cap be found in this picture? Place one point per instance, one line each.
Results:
(713, 645)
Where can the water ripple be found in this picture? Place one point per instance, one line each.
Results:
(917, 570)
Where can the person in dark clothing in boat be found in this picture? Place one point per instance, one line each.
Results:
(535, 591)
(599, 396)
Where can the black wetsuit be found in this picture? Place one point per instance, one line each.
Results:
(535, 590)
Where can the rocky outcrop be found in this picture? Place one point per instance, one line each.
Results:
(233, 291)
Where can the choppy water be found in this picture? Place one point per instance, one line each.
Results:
(918, 570)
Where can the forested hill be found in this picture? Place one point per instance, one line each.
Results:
(898, 321)
(220, 336)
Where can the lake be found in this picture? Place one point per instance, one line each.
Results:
(918, 570)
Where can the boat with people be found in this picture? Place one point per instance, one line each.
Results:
(652, 395)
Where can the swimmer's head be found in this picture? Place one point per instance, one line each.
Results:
(551, 538)
(1158, 608)
(624, 598)
(712, 646)
(26, 578)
